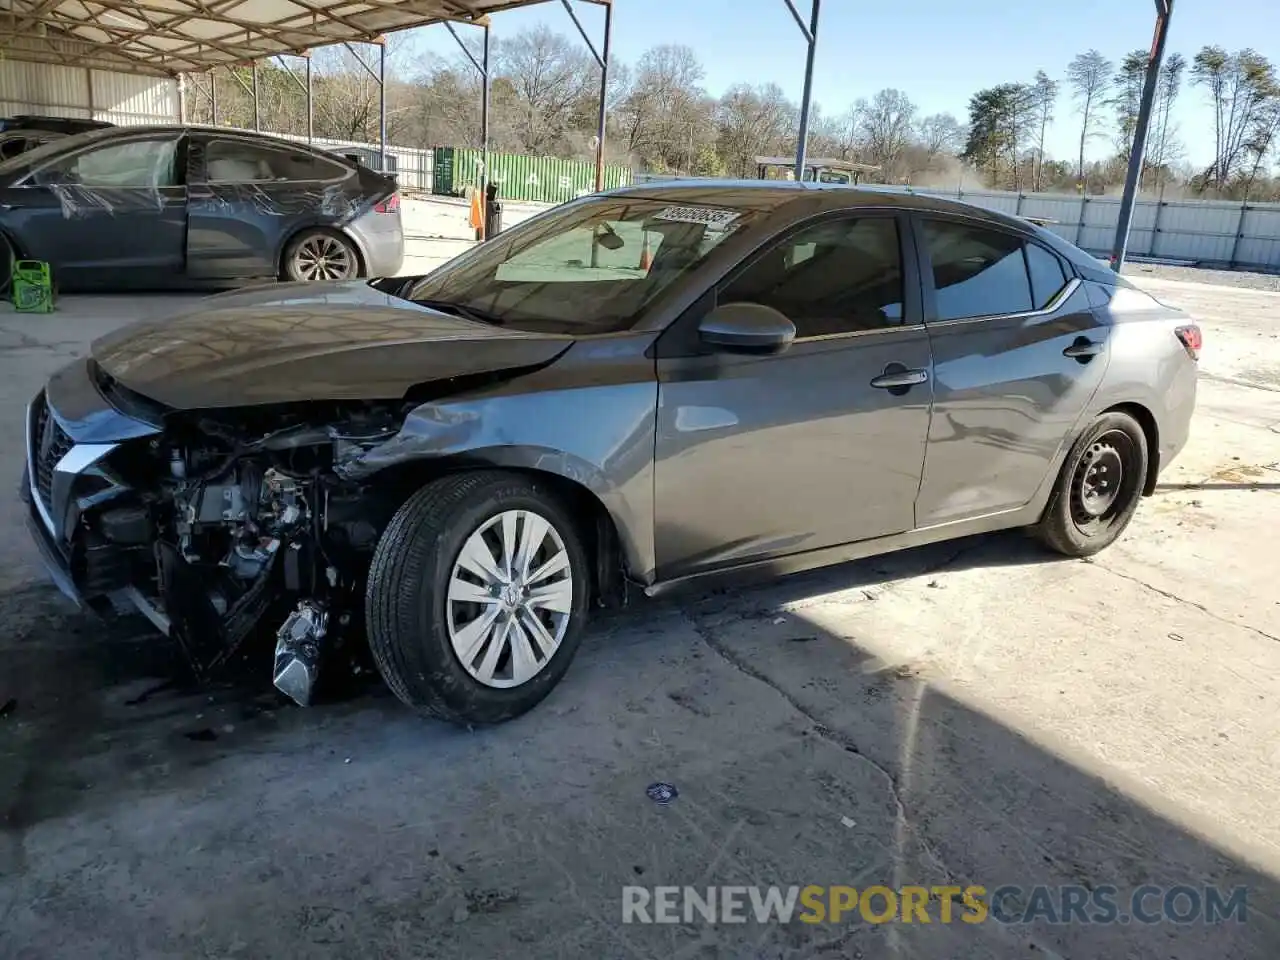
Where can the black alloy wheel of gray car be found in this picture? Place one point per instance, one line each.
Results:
(321, 255)
(476, 597)
(1099, 487)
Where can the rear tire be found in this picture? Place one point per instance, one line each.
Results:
(1098, 489)
(319, 254)
(464, 621)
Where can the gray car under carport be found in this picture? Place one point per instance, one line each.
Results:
(171, 206)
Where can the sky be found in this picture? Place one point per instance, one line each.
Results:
(938, 52)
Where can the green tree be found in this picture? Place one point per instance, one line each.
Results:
(998, 123)
(1239, 86)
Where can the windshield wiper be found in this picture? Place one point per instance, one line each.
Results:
(458, 310)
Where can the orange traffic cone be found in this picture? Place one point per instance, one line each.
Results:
(646, 255)
(477, 214)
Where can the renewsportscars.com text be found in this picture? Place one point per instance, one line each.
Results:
(1007, 904)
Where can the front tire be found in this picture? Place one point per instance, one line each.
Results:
(1098, 489)
(476, 598)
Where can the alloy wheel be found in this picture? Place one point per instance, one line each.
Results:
(322, 257)
(510, 598)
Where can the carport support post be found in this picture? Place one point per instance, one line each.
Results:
(484, 114)
(810, 35)
(257, 110)
(382, 100)
(603, 60)
(311, 117)
(1137, 153)
(604, 94)
(213, 97)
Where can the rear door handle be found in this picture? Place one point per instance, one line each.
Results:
(1083, 350)
(899, 378)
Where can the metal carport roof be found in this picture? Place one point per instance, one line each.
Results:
(169, 37)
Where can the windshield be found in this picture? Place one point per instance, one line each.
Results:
(586, 268)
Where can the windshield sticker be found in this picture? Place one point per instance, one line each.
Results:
(709, 216)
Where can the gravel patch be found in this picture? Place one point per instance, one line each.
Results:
(1225, 278)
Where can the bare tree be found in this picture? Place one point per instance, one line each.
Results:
(752, 121)
(1264, 137)
(941, 133)
(549, 76)
(1090, 77)
(887, 126)
(666, 114)
(1164, 146)
(1044, 97)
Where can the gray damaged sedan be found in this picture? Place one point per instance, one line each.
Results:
(627, 392)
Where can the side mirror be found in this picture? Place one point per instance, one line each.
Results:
(747, 328)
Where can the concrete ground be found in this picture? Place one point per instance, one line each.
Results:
(974, 713)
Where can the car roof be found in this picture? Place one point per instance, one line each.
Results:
(768, 195)
(771, 194)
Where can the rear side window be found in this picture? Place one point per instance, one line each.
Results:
(976, 272)
(235, 161)
(1047, 278)
(12, 147)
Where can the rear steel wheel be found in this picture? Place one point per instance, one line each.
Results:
(1099, 487)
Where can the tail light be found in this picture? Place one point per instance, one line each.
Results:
(1191, 339)
(389, 205)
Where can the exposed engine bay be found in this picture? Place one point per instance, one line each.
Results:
(245, 528)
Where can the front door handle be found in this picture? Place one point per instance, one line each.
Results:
(1083, 350)
(898, 377)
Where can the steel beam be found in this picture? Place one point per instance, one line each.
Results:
(811, 36)
(1137, 153)
(604, 97)
(602, 58)
(484, 114)
(382, 103)
(311, 120)
(482, 67)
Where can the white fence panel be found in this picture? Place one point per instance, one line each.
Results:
(1213, 233)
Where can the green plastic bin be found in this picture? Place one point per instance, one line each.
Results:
(31, 286)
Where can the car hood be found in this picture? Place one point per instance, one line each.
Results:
(307, 341)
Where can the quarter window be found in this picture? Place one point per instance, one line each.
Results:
(234, 161)
(840, 276)
(136, 163)
(1047, 278)
(976, 272)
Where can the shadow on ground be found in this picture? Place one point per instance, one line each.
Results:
(356, 829)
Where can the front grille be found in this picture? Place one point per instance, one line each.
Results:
(49, 444)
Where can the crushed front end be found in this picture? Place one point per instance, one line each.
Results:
(211, 524)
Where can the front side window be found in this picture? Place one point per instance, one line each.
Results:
(586, 268)
(839, 276)
(235, 161)
(135, 163)
(977, 272)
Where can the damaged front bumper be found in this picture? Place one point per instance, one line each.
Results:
(62, 477)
